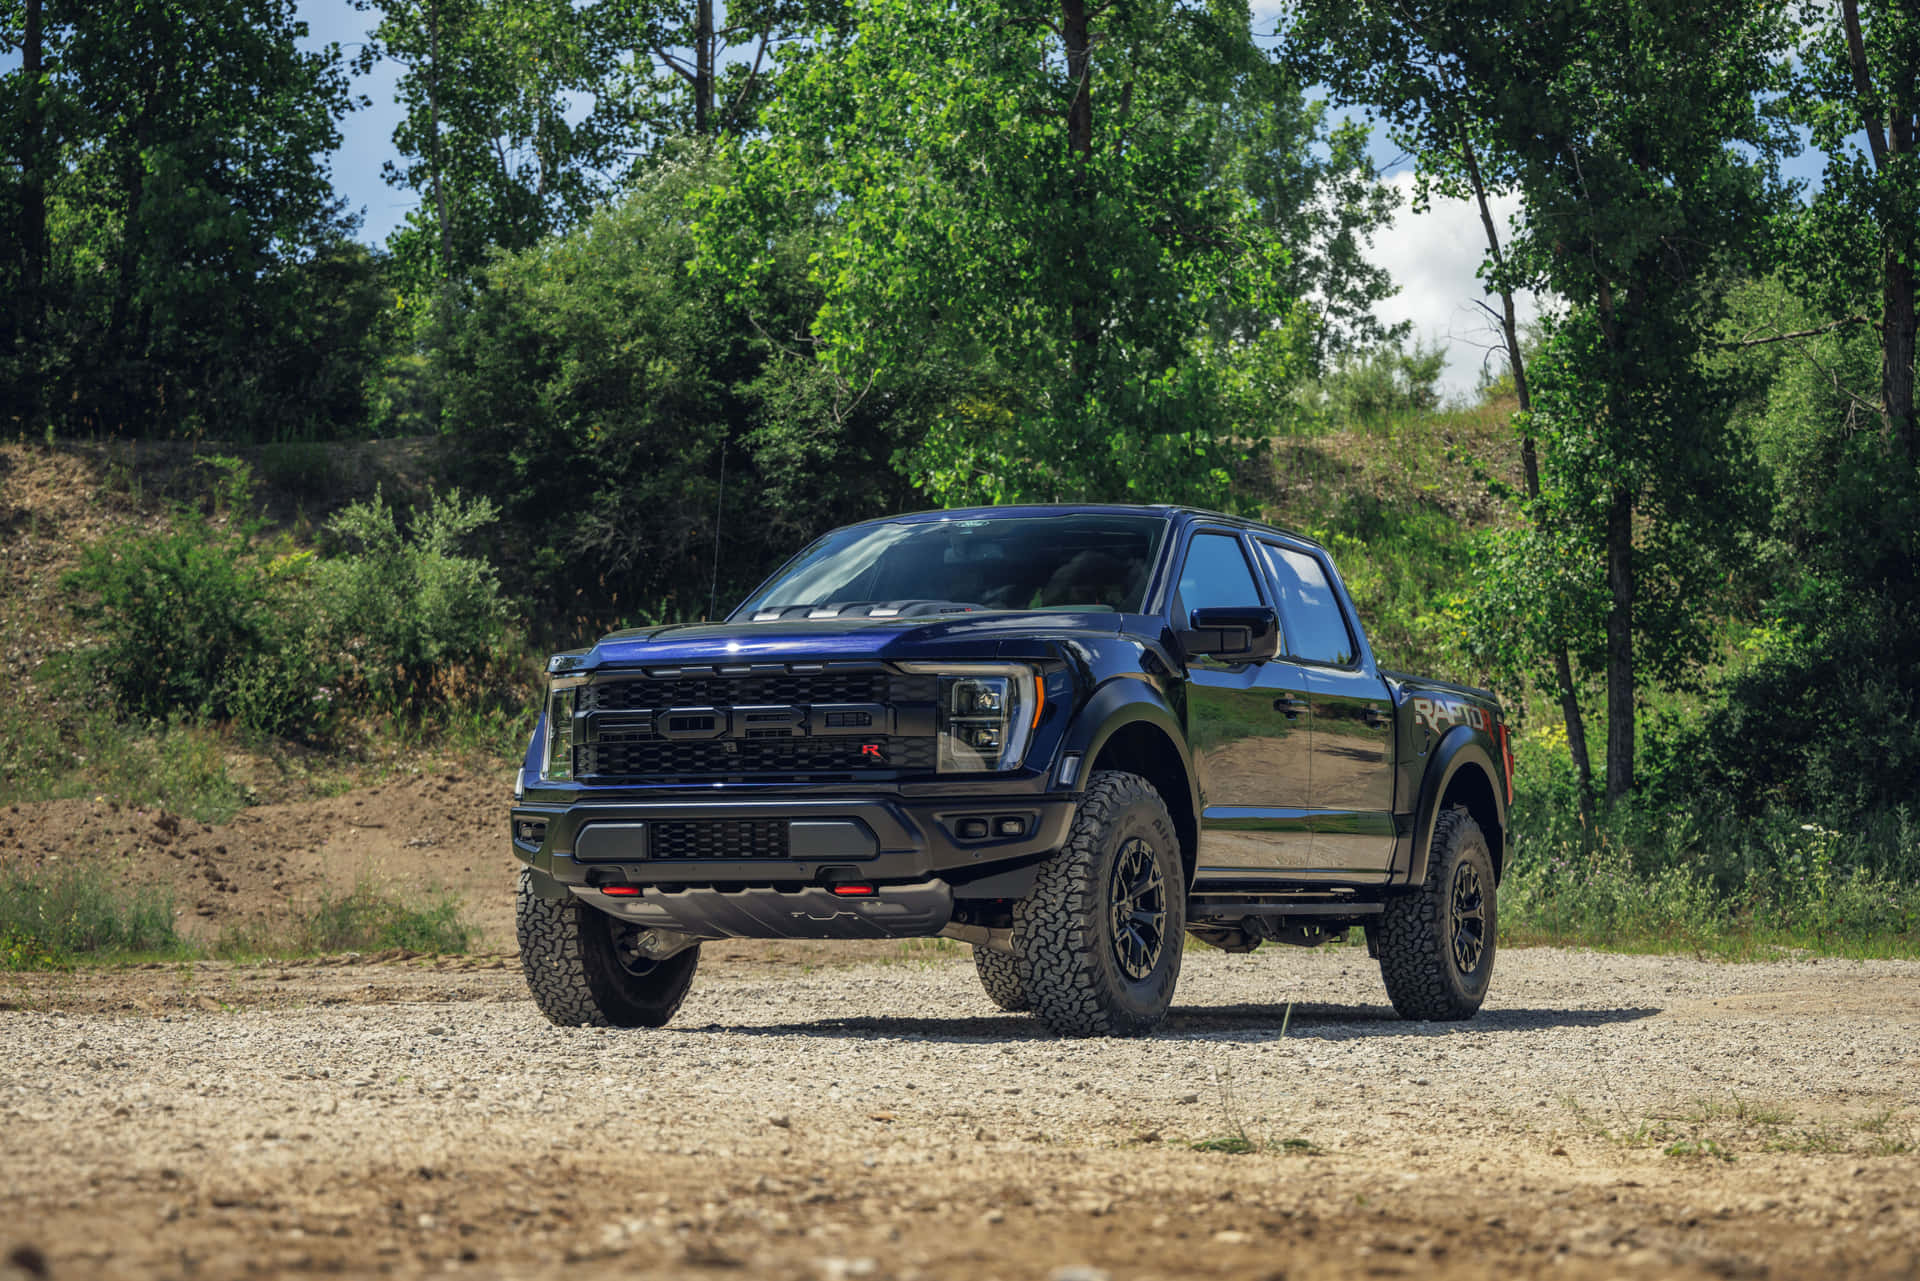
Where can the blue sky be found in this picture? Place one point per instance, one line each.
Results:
(1432, 255)
(366, 136)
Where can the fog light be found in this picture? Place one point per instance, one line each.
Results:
(971, 829)
(1010, 826)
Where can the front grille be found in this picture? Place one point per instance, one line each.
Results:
(660, 760)
(701, 690)
(831, 723)
(718, 838)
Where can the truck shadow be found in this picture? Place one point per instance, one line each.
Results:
(1247, 1022)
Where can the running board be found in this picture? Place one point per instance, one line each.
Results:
(1208, 905)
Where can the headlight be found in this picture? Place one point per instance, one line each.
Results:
(987, 714)
(558, 766)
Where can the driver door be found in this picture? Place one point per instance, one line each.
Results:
(1249, 726)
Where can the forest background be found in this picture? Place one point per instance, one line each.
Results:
(684, 284)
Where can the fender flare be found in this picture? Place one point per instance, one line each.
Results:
(1459, 748)
(1116, 704)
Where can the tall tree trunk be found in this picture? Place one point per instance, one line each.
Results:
(1886, 146)
(1896, 349)
(703, 67)
(1529, 458)
(433, 127)
(1620, 676)
(33, 209)
(33, 190)
(1076, 34)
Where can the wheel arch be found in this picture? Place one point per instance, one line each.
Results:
(1126, 726)
(1462, 773)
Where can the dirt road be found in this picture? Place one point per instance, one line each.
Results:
(1605, 1116)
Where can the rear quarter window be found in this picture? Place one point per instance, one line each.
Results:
(1315, 625)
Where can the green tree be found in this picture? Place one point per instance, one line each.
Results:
(1315, 186)
(1434, 112)
(649, 446)
(1039, 200)
(693, 67)
(1637, 136)
(1858, 79)
(167, 175)
(490, 140)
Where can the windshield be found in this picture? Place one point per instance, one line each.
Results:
(1087, 561)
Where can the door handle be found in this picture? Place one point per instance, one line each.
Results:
(1376, 718)
(1289, 706)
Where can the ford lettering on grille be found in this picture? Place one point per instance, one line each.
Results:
(648, 729)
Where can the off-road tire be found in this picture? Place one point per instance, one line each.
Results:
(1000, 976)
(1417, 933)
(1064, 931)
(577, 980)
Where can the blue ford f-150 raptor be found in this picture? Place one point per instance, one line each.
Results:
(1066, 735)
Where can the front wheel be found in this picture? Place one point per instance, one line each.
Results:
(1437, 943)
(585, 968)
(1097, 943)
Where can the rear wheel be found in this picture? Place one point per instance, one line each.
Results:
(1000, 976)
(1437, 943)
(585, 968)
(1098, 941)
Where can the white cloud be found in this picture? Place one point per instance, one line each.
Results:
(1432, 256)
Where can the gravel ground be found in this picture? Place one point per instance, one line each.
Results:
(1604, 1114)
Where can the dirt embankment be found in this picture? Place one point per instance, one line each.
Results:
(1605, 1116)
(418, 831)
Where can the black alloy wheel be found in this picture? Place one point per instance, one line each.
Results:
(1469, 912)
(1137, 898)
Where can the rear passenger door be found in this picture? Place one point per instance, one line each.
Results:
(1351, 785)
(1249, 724)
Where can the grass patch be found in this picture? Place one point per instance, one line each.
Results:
(930, 952)
(365, 919)
(62, 917)
(1665, 882)
(1716, 1129)
(1233, 1144)
(179, 766)
(1243, 1144)
(58, 918)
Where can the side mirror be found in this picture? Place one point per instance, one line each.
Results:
(1233, 634)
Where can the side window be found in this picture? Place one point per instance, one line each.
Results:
(1315, 628)
(1216, 575)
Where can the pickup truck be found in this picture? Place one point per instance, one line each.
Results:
(1068, 736)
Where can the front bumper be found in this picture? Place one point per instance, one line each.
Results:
(872, 838)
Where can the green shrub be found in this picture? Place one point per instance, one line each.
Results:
(54, 917)
(205, 620)
(1376, 385)
(405, 606)
(303, 467)
(174, 612)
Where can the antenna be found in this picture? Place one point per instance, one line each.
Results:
(719, 501)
